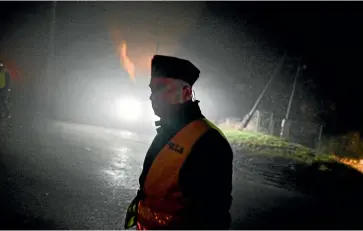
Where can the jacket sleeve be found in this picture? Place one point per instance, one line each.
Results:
(206, 181)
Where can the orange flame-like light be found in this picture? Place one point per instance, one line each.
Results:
(126, 62)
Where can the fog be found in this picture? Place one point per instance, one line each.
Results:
(78, 74)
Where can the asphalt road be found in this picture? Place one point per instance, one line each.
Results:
(57, 175)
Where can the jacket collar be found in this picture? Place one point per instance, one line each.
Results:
(186, 113)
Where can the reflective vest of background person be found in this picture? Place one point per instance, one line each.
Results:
(4, 78)
(186, 181)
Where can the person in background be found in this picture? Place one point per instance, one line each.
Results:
(4, 89)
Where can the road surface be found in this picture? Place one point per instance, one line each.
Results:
(57, 175)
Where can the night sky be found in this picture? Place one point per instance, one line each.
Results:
(327, 35)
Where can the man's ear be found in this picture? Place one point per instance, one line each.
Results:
(187, 93)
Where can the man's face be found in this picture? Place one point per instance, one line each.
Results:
(166, 93)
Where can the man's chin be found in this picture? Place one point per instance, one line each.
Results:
(158, 115)
(157, 112)
(164, 112)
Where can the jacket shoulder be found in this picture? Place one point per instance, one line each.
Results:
(212, 142)
(214, 133)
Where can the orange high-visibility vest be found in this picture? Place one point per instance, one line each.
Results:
(163, 203)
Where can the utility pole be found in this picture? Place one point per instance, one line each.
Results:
(248, 117)
(285, 120)
(50, 62)
(292, 92)
(51, 39)
(319, 139)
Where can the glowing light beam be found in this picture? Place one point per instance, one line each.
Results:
(126, 62)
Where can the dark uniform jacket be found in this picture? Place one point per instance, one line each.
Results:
(205, 177)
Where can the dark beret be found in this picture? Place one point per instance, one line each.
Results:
(172, 67)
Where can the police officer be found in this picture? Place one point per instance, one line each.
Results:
(4, 90)
(186, 181)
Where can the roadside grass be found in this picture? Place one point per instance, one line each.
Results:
(309, 172)
(268, 145)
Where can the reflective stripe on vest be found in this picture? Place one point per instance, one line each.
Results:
(163, 201)
(2, 79)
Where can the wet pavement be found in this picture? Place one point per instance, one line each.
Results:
(57, 175)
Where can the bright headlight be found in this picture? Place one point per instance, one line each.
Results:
(129, 109)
